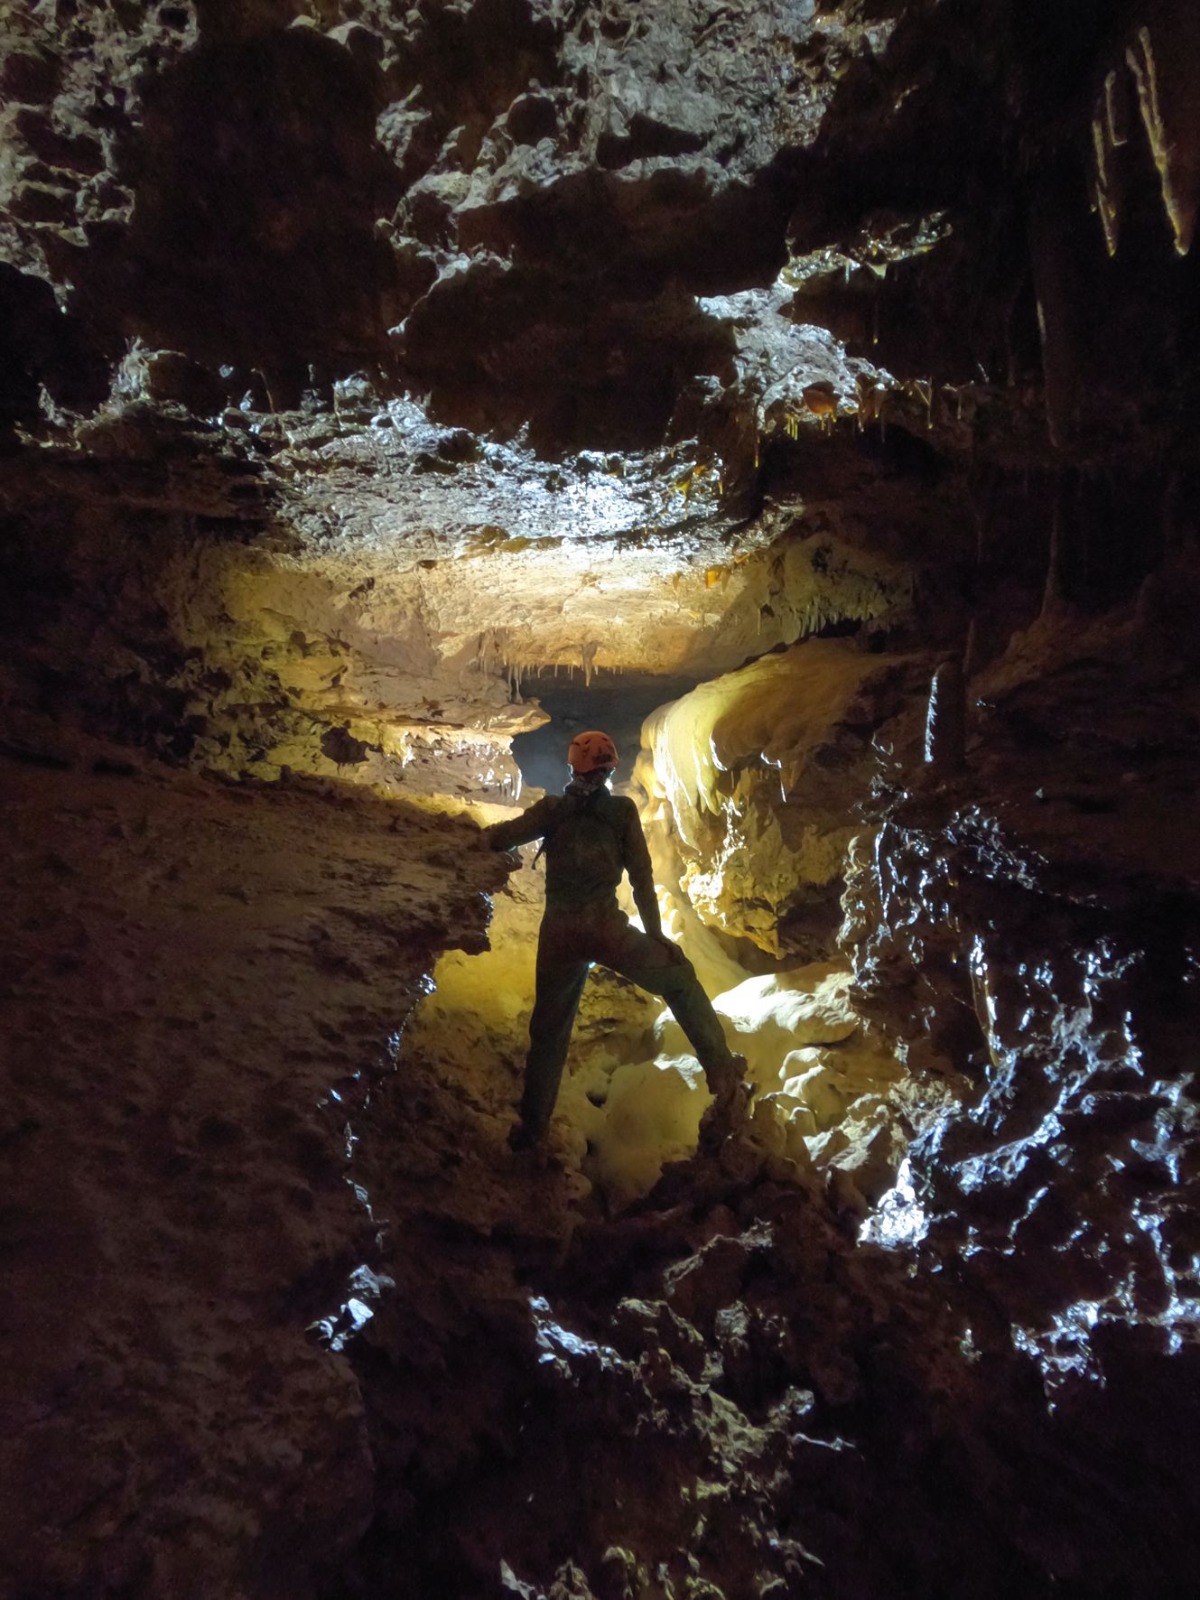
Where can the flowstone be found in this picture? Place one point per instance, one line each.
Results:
(752, 779)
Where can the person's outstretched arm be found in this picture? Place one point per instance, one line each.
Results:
(531, 824)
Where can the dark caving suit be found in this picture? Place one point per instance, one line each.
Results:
(591, 837)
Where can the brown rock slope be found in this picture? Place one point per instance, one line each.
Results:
(199, 982)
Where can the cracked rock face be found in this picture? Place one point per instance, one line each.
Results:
(429, 176)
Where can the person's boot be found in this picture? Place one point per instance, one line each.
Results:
(522, 1137)
(534, 1150)
(729, 1110)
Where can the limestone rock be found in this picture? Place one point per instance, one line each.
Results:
(755, 775)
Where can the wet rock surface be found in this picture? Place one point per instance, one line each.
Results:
(1065, 918)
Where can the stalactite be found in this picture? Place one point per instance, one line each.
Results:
(1115, 111)
(489, 652)
(945, 724)
(1180, 207)
(1057, 282)
(872, 399)
(1110, 132)
(1105, 200)
(921, 390)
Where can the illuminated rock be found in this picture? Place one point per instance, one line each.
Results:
(755, 774)
(652, 1112)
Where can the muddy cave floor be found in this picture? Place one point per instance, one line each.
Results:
(215, 1143)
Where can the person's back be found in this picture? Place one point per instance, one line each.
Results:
(585, 848)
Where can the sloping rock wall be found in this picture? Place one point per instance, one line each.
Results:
(202, 983)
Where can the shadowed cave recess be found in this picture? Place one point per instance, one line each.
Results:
(804, 391)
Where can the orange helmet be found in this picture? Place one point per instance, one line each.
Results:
(592, 752)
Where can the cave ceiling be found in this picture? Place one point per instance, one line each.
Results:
(524, 335)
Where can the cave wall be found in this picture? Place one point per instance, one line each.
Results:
(199, 990)
(359, 364)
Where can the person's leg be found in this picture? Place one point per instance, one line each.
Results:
(559, 986)
(661, 968)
